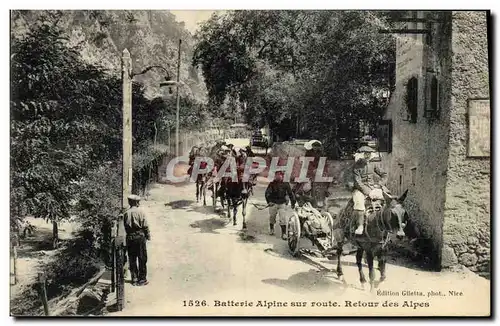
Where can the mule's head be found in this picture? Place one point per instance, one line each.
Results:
(395, 215)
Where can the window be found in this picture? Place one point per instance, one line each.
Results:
(413, 176)
(412, 100)
(433, 103)
(384, 136)
(401, 180)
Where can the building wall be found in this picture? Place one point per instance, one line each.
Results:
(466, 230)
(419, 158)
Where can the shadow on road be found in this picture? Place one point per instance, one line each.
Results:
(311, 281)
(178, 204)
(207, 210)
(210, 225)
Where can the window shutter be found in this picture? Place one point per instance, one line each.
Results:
(384, 136)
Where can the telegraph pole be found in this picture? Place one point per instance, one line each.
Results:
(127, 127)
(127, 176)
(178, 102)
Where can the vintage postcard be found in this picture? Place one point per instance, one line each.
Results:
(250, 163)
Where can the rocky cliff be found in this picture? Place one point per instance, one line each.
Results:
(151, 36)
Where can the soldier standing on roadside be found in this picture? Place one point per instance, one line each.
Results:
(137, 230)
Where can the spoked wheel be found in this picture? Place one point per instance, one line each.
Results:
(329, 236)
(293, 234)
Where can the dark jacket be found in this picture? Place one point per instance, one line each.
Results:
(367, 175)
(277, 191)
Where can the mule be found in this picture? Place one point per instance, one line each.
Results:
(381, 221)
(201, 179)
(237, 192)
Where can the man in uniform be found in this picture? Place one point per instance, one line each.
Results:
(369, 181)
(276, 193)
(137, 230)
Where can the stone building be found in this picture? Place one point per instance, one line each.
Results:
(438, 122)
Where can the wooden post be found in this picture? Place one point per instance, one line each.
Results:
(15, 263)
(127, 176)
(169, 144)
(178, 102)
(113, 256)
(14, 243)
(127, 126)
(120, 278)
(43, 293)
(120, 263)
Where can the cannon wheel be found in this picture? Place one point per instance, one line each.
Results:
(293, 234)
(329, 218)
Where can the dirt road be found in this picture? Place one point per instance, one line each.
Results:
(200, 265)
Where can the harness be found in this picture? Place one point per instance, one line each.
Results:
(381, 229)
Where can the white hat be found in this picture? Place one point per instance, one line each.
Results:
(309, 145)
(134, 197)
(224, 148)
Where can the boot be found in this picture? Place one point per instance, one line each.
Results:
(283, 232)
(360, 216)
(271, 229)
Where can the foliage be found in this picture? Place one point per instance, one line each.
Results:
(66, 121)
(66, 143)
(64, 113)
(325, 68)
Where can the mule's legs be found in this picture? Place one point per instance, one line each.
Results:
(340, 274)
(359, 263)
(244, 212)
(235, 210)
(371, 270)
(381, 265)
(204, 192)
(222, 197)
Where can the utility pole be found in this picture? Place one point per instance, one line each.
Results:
(178, 102)
(127, 176)
(127, 127)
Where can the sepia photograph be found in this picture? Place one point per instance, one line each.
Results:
(250, 163)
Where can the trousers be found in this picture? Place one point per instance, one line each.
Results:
(138, 257)
(279, 211)
(359, 198)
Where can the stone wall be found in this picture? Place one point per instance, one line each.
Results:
(466, 231)
(187, 140)
(418, 161)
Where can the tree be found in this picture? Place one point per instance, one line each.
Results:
(65, 122)
(314, 66)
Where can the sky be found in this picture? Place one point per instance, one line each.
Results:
(192, 17)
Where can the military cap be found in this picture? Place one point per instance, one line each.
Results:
(365, 149)
(134, 197)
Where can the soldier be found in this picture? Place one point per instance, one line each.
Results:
(276, 193)
(137, 230)
(369, 181)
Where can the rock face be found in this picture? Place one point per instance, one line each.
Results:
(151, 36)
